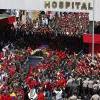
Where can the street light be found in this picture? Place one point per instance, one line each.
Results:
(93, 33)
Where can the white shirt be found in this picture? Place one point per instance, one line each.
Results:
(58, 94)
(37, 25)
(5, 48)
(46, 21)
(32, 94)
(17, 13)
(3, 75)
(95, 97)
(85, 83)
(95, 86)
(99, 85)
(0, 78)
(43, 21)
(70, 81)
(90, 84)
(73, 97)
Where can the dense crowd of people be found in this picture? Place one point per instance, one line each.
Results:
(60, 75)
(73, 24)
(45, 29)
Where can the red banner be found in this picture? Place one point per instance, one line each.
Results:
(87, 38)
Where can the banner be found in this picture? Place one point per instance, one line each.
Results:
(54, 5)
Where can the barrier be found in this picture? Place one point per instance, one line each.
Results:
(87, 38)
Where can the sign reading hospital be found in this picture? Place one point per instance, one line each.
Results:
(51, 5)
(68, 5)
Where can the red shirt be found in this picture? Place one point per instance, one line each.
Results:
(12, 70)
(1, 55)
(5, 97)
(41, 96)
(31, 83)
(61, 82)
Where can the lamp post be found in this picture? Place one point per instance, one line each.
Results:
(93, 33)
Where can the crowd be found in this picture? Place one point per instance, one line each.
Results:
(73, 24)
(61, 75)
(47, 28)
